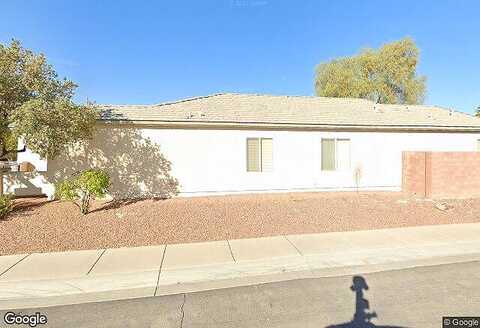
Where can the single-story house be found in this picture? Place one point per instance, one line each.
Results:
(243, 143)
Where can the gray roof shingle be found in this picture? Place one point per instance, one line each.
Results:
(247, 109)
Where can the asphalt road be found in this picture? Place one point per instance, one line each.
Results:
(417, 297)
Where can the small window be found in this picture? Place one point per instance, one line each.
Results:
(343, 154)
(253, 155)
(259, 154)
(328, 154)
(335, 154)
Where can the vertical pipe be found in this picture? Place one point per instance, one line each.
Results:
(1, 183)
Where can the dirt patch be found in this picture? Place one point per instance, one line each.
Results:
(41, 226)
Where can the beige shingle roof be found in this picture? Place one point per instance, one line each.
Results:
(250, 109)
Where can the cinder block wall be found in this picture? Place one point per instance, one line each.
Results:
(413, 173)
(441, 174)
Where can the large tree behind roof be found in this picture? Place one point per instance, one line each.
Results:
(37, 106)
(385, 75)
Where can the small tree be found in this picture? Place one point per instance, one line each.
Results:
(37, 106)
(83, 187)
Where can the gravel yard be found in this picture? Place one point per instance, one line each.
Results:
(41, 226)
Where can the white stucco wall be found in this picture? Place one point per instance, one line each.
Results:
(214, 161)
(40, 164)
(28, 184)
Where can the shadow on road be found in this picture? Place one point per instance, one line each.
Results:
(362, 316)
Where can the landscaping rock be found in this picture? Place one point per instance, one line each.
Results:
(442, 206)
(37, 225)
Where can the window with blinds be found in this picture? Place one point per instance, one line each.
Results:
(253, 155)
(335, 154)
(328, 154)
(259, 154)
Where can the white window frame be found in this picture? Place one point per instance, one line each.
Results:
(335, 140)
(260, 155)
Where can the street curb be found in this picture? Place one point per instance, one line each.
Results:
(76, 295)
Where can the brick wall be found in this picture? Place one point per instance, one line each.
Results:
(441, 174)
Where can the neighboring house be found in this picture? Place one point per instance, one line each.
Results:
(232, 143)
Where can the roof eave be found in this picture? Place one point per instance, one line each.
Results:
(289, 126)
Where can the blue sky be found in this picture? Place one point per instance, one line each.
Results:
(151, 51)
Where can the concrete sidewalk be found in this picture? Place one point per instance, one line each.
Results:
(44, 279)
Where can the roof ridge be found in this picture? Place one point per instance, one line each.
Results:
(189, 99)
(294, 96)
(165, 102)
(444, 108)
(454, 111)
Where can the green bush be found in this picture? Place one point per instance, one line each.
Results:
(83, 187)
(6, 205)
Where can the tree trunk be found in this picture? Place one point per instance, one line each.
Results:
(1, 183)
(85, 203)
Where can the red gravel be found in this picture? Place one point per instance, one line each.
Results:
(41, 226)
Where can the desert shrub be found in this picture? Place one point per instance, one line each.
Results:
(6, 205)
(83, 187)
